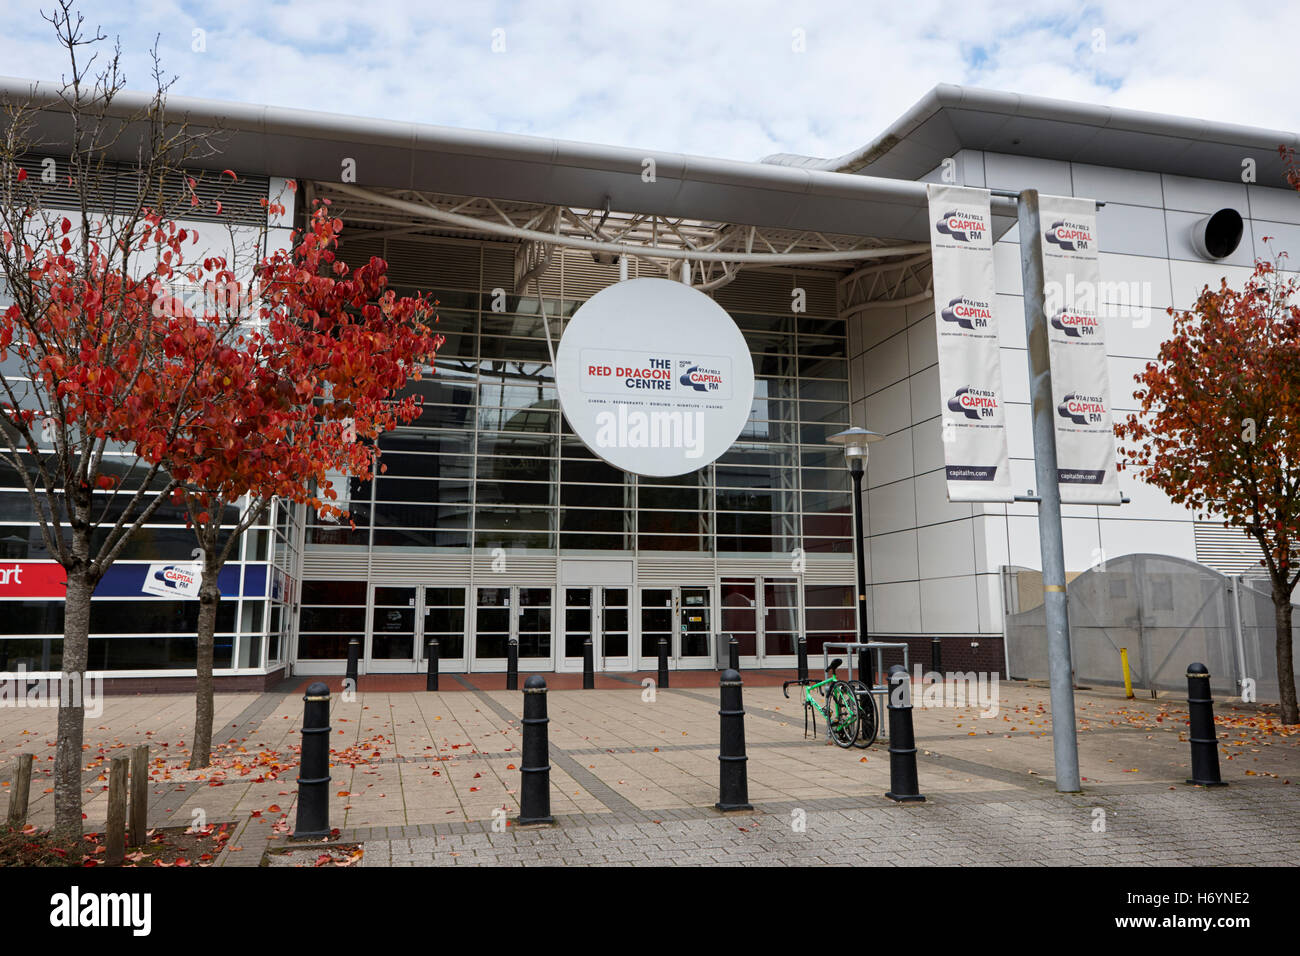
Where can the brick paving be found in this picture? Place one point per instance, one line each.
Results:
(431, 779)
(1252, 825)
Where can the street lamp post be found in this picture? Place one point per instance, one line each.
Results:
(854, 441)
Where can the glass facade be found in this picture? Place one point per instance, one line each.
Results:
(491, 463)
(130, 629)
(491, 468)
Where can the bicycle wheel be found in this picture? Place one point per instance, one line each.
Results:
(842, 707)
(868, 725)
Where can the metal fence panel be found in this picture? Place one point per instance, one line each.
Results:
(1259, 643)
(1167, 612)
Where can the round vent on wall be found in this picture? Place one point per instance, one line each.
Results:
(1217, 236)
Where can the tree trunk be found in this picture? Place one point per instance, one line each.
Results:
(68, 760)
(1285, 670)
(209, 598)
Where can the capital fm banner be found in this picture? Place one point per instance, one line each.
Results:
(970, 358)
(1085, 438)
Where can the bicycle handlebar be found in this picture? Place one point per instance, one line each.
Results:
(785, 687)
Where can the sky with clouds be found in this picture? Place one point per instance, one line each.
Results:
(731, 79)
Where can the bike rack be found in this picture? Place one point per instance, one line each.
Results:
(878, 691)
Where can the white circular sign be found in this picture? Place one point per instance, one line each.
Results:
(654, 377)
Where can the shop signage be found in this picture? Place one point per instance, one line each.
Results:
(654, 377)
(176, 580)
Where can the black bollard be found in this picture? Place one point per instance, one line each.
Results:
(663, 662)
(535, 764)
(936, 656)
(733, 654)
(588, 665)
(802, 666)
(431, 682)
(903, 785)
(733, 780)
(1204, 738)
(314, 766)
(354, 663)
(512, 665)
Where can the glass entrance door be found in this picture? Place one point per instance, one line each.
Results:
(391, 642)
(684, 617)
(580, 622)
(403, 618)
(780, 621)
(741, 617)
(601, 614)
(658, 621)
(614, 648)
(694, 627)
(763, 615)
(533, 628)
(503, 614)
(444, 619)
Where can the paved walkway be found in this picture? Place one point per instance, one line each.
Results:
(424, 778)
(1249, 826)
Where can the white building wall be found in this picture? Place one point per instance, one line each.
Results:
(934, 566)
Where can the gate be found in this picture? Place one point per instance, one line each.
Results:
(1166, 611)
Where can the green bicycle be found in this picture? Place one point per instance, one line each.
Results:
(841, 712)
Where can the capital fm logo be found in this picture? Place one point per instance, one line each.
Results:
(968, 313)
(175, 578)
(974, 403)
(1075, 323)
(1070, 236)
(962, 226)
(1082, 409)
(701, 379)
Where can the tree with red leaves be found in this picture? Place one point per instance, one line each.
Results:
(301, 396)
(88, 342)
(1219, 428)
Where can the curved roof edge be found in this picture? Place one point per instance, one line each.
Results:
(276, 141)
(952, 117)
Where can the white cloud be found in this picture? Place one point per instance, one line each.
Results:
(696, 77)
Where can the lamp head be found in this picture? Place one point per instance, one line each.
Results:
(854, 441)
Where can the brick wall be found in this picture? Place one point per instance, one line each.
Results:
(956, 653)
(185, 685)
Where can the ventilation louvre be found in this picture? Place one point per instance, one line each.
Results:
(584, 276)
(431, 266)
(327, 565)
(1226, 550)
(114, 188)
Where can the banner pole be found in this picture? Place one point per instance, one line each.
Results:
(1065, 745)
